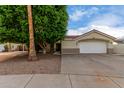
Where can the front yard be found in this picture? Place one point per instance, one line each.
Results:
(17, 63)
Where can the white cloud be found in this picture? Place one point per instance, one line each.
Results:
(92, 10)
(116, 32)
(73, 32)
(106, 20)
(77, 15)
(78, 31)
(117, 10)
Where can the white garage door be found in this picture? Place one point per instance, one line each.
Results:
(92, 47)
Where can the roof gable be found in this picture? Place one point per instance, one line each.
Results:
(93, 34)
(98, 34)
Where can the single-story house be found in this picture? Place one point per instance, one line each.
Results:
(14, 47)
(93, 41)
(2, 47)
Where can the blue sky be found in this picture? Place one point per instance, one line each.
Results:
(108, 19)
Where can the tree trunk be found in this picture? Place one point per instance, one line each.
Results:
(23, 47)
(44, 51)
(52, 48)
(44, 48)
(32, 51)
(9, 47)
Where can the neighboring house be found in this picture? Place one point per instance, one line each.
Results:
(119, 48)
(14, 47)
(1, 47)
(93, 41)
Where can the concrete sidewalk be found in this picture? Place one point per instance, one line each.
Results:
(59, 81)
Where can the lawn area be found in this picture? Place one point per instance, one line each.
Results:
(17, 63)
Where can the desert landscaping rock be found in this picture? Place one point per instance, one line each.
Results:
(17, 63)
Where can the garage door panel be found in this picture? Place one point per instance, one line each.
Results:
(92, 47)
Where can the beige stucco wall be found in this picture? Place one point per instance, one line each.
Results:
(109, 45)
(119, 49)
(73, 44)
(69, 44)
(109, 48)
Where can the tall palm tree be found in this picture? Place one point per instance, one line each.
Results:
(32, 51)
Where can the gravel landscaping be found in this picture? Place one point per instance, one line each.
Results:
(47, 64)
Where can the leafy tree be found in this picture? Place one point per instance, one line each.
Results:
(50, 23)
(13, 24)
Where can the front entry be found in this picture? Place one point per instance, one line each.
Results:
(58, 47)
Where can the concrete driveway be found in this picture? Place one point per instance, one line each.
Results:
(94, 70)
(100, 65)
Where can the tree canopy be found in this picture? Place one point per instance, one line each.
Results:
(50, 23)
(13, 24)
